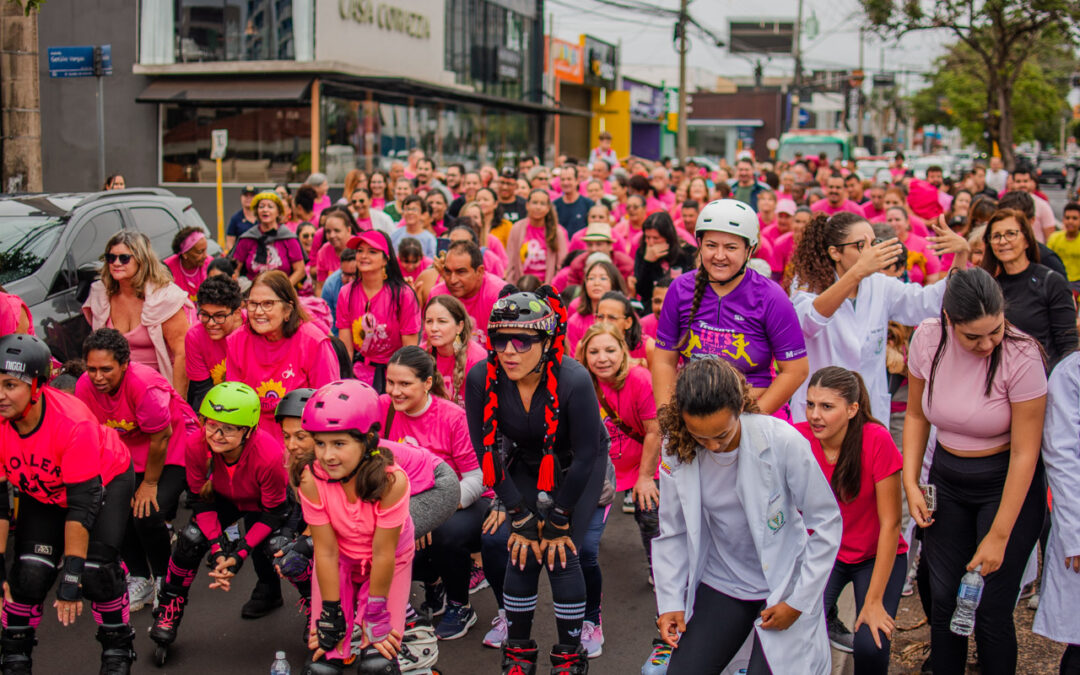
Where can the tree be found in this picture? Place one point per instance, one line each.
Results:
(1002, 35)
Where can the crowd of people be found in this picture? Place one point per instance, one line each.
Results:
(449, 377)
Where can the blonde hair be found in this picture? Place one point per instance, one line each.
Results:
(615, 332)
(151, 271)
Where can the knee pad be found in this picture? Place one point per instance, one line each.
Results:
(371, 662)
(31, 578)
(103, 581)
(191, 546)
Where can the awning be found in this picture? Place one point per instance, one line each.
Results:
(725, 123)
(224, 90)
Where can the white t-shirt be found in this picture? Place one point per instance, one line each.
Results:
(732, 565)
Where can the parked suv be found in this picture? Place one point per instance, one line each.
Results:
(51, 247)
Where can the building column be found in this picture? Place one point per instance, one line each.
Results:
(731, 143)
(20, 100)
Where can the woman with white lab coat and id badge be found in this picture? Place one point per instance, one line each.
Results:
(1056, 618)
(845, 307)
(739, 492)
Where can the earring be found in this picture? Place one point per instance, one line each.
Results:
(384, 273)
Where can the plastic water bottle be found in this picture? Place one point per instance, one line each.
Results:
(967, 601)
(544, 504)
(280, 666)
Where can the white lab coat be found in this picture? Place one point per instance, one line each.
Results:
(784, 493)
(855, 336)
(1056, 618)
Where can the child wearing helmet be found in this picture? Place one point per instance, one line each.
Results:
(356, 501)
(725, 310)
(236, 472)
(70, 471)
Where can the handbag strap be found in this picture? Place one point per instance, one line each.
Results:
(618, 421)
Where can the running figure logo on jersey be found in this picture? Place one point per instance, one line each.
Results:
(39, 478)
(709, 342)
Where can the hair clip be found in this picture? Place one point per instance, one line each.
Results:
(374, 453)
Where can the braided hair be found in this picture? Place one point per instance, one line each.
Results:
(550, 365)
(701, 282)
(813, 266)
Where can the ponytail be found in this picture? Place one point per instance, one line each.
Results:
(701, 282)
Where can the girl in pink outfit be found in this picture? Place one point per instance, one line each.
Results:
(278, 349)
(189, 263)
(356, 500)
(378, 313)
(600, 278)
(156, 425)
(448, 331)
(339, 228)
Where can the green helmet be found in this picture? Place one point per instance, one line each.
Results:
(232, 403)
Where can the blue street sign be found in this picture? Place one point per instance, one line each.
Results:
(78, 61)
(804, 117)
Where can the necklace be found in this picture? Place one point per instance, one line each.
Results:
(720, 462)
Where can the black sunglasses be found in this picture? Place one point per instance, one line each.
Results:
(124, 258)
(522, 341)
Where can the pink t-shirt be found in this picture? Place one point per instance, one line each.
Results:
(69, 446)
(142, 348)
(648, 325)
(824, 206)
(479, 304)
(782, 249)
(256, 482)
(376, 325)
(189, 281)
(11, 311)
(144, 404)
(933, 263)
(441, 429)
(272, 369)
(871, 213)
(880, 459)
(326, 261)
(576, 326)
(474, 353)
(204, 358)
(634, 404)
(965, 418)
(354, 523)
(1044, 218)
(534, 252)
(417, 463)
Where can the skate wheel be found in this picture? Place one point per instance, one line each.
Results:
(161, 654)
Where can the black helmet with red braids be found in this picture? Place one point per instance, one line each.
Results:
(543, 312)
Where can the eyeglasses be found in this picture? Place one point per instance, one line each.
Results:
(1007, 235)
(859, 245)
(522, 342)
(359, 202)
(214, 427)
(218, 318)
(265, 305)
(124, 258)
(610, 318)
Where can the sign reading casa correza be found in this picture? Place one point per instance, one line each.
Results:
(388, 17)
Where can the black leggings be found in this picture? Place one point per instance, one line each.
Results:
(717, 630)
(968, 495)
(1070, 660)
(180, 576)
(146, 546)
(449, 556)
(869, 659)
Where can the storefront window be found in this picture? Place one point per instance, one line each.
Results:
(266, 145)
(489, 47)
(237, 30)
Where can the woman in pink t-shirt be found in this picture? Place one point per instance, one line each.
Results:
(616, 309)
(356, 500)
(14, 315)
(339, 228)
(189, 262)
(155, 424)
(448, 332)
(377, 186)
(861, 462)
(600, 277)
(929, 270)
(537, 244)
(378, 313)
(416, 411)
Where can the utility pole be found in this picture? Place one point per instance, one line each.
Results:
(796, 101)
(858, 92)
(683, 141)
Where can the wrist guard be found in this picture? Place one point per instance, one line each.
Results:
(276, 543)
(70, 589)
(376, 620)
(525, 524)
(559, 517)
(295, 561)
(330, 628)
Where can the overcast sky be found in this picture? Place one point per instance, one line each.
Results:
(648, 39)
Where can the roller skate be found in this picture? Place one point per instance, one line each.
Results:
(167, 617)
(117, 654)
(519, 657)
(16, 645)
(569, 660)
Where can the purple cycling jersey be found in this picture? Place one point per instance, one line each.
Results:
(750, 327)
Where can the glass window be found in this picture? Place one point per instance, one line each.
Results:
(26, 241)
(266, 145)
(240, 30)
(158, 225)
(89, 244)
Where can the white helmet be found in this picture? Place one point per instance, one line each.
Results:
(731, 216)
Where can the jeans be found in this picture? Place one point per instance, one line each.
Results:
(449, 556)
(590, 564)
(869, 659)
(147, 544)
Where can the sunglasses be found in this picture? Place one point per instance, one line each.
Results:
(522, 342)
(124, 258)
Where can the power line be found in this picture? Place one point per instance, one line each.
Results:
(599, 13)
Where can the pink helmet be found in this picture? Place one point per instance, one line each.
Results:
(341, 406)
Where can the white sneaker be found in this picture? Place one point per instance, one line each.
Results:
(1033, 601)
(628, 502)
(592, 639)
(497, 635)
(141, 592)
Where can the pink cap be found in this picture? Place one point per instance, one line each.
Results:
(373, 238)
(786, 206)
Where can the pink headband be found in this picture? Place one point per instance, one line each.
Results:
(190, 241)
(372, 238)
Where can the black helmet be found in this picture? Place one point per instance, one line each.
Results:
(522, 309)
(25, 357)
(292, 404)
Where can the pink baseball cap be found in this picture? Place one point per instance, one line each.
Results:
(786, 206)
(372, 238)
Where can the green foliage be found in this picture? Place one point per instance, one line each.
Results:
(28, 6)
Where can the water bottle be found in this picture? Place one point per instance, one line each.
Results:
(280, 666)
(967, 601)
(544, 503)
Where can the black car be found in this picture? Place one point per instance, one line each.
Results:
(1052, 171)
(51, 247)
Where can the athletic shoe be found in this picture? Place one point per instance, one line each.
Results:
(434, 603)
(457, 621)
(477, 580)
(141, 592)
(1033, 601)
(1027, 591)
(628, 502)
(592, 639)
(497, 635)
(839, 636)
(657, 662)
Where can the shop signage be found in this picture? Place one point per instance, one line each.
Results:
(565, 59)
(600, 59)
(387, 17)
(646, 101)
(507, 64)
(80, 61)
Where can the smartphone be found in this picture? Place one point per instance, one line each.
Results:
(929, 493)
(442, 245)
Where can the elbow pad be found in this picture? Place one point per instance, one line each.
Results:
(84, 501)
